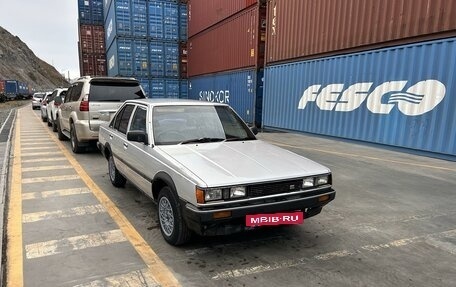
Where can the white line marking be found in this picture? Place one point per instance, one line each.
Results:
(49, 167)
(66, 245)
(327, 256)
(50, 178)
(42, 153)
(54, 193)
(140, 278)
(45, 147)
(65, 213)
(44, 159)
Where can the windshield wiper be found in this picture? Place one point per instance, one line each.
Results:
(202, 140)
(237, 139)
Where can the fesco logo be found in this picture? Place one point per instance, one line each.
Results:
(109, 30)
(112, 62)
(418, 99)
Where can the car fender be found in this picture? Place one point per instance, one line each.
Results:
(160, 179)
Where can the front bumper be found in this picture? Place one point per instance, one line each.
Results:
(203, 223)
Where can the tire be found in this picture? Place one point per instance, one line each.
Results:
(60, 135)
(49, 122)
(75, 145)
(43, 119)
(116, 178)
(54, 125)
(172, 225)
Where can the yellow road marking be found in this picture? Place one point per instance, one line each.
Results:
(14, 244)
(157, 268)
(49, 178)
(53, 247)
(139, 278)
(49, 167)
(54, 193)
(363, 156)
(43, 159)
(63, 213)
(40, 153)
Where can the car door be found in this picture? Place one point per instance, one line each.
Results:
(138, 153)
(69, 105)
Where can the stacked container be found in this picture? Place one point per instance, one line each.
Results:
(2, 86)
(375, 71)
(92, 48)
(145, 40)
(226, 54)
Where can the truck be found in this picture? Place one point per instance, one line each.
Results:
(16, 90)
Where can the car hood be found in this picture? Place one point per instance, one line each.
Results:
(241, 162)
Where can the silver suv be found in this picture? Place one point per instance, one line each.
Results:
(89, 102)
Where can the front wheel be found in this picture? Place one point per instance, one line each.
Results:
(75, 145)
(172, 224)
(116, 178)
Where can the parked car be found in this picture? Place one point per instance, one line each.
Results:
(55, 100)
(88, 103)
(36, 100)
(43, 106)
(206, 169)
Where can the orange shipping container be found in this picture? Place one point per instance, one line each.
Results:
(300, 29)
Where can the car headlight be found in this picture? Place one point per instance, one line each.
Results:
(308, 182)
(237, 192)
(322, 179)
(213, 194)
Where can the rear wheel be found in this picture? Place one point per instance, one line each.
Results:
(116, 178)
(172, 224)
(49, 122)
(54, 125)
(60, 135)
(75, 145)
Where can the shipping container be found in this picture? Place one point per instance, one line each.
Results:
(16, 89)
(402, 96)
(92, 39)
(203, 14)
(2, 86)
(145, 82)
(90, 12)
(230, 45)
(168, 88)
(118, 21)
(120, 58)
(139, 18)
(183, 89)
(156, 19)
(183, 22)
(140, 57)
(157, 59)
(157, 88)
(310, 29)
(183, 54)
(236, 88)
(163, 20)
(171, 59)
(92, 64)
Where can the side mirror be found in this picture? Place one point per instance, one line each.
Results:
(254, 130)
(137, 136)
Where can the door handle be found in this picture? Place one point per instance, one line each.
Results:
(110, 137)
(125, 145)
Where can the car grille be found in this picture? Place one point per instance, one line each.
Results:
(274, 188)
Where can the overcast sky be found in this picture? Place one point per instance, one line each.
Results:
(48, 27)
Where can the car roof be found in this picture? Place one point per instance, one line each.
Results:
(173, 102)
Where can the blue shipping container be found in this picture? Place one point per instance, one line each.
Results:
(90, 12)
(139, 18)
(145, 84)
(402, 96)
(163, 20)
(238, 89)
(141, 57)
(118, 21)
(157, 88)
(183, 89)
(168, 88)
(183, 22)
(11, 87)
(156, 19)
(171, 60)
(157, 59)
(120, 58)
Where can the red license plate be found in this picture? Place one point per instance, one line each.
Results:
(275, 219)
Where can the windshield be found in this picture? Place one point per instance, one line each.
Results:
(115, 92)
(193, 124)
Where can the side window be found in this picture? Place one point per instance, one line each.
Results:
(124, 119)
(138, 121)
(69, 92)
(76, 92)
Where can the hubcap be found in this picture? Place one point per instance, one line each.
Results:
(165, 212)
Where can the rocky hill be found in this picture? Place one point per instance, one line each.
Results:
(18, 62)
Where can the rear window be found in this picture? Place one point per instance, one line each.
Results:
(115, 91)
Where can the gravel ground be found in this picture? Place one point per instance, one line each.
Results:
(6, 107)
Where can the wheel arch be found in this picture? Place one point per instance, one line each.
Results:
(162, 179)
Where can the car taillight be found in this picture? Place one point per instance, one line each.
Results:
(84, 106)
(56, 104)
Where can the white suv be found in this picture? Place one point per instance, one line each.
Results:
(89, 102)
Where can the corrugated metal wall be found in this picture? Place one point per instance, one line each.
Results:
(204, 14)
(236, 88)
(304, 28)
(403, 96)
(232, 44)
